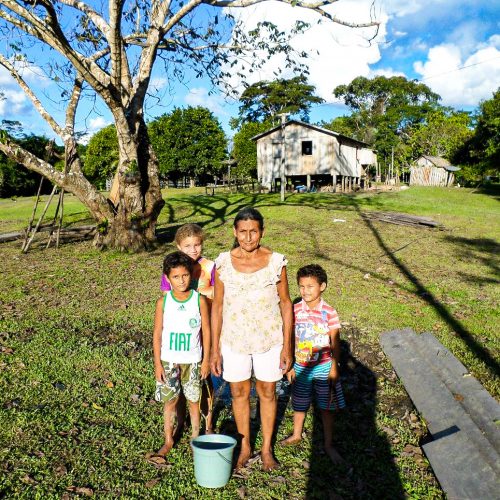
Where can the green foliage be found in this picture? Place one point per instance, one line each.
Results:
(244, 149)
(101, 157)
(344, 125)
(442, 134)
(188, 142)
(264, 100)
(481, 154)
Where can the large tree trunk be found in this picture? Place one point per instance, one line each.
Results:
(138, 201)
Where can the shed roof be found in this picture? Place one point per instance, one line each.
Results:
(437, 161)
(313, 127)
(440, 162)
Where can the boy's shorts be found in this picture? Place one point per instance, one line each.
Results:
(179, 376)
(237, 367)
(315, 377)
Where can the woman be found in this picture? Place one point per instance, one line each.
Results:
(251, 328)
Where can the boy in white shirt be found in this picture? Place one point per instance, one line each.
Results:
(181, 345)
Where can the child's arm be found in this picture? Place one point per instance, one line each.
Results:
(286, 358)
(334, 374)
(216, 324)
(159, 371)
(205, 336)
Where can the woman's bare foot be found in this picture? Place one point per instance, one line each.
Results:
(268, 461)
(334, 455)
(243, 458)
(209, 431)
(290, 440)
(165, 449)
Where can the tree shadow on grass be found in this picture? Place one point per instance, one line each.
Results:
(369, 470)
(484, 251)
(476, 348)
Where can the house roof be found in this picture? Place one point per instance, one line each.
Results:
(439, 161)
(313, 127)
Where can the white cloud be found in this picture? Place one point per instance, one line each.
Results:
(158, 83)
(336, 54)
(461, 81)
(199, 96)
(93, 126)
(387, 72)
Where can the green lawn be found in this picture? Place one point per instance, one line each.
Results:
(76, 407)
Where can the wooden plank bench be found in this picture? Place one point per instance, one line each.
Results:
(462, 417)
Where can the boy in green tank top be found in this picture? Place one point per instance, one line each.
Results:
(181, 345)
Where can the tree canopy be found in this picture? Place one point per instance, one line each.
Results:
(385, 111)
(264, 100)
(481, 154)
(188, 142)
(107, 53)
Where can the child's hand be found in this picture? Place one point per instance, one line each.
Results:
(205, 368)
(334, 375)
(160, 373)
(216, 363)
(291, 375)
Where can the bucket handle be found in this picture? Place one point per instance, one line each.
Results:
(230, 462)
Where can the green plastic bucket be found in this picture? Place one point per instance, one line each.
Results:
(213, 459)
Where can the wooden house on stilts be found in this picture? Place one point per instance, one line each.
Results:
(312, 156)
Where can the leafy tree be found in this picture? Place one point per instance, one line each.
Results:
(188, 142)
(244, 149)
(101, 156)
(481, 154)
(263, 100)
(108, 53)
(384, 110)
(443, 133)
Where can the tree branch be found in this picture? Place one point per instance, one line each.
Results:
(314, 6)
(34, 99)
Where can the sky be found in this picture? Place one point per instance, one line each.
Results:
(453, 46)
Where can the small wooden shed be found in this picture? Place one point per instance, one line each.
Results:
(432, 171)
(311, 155)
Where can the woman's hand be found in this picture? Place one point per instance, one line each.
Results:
(216, 363)
(205, 368)
(291, 376)
(286, 359)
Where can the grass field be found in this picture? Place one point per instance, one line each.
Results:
(76, 409)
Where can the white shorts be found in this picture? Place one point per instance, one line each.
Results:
(237, 367)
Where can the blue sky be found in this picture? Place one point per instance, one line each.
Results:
(451, 45)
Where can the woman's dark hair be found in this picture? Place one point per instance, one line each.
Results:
(177, 259)
(312, 271)
(249, 213)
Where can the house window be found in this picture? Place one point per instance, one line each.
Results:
(307, 148)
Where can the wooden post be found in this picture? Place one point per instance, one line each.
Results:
(334, 180)
(308, 182)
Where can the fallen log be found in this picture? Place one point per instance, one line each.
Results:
(402, 219)
(65, 232)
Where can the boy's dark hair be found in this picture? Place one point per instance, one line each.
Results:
(313, 271)
(177, 259)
